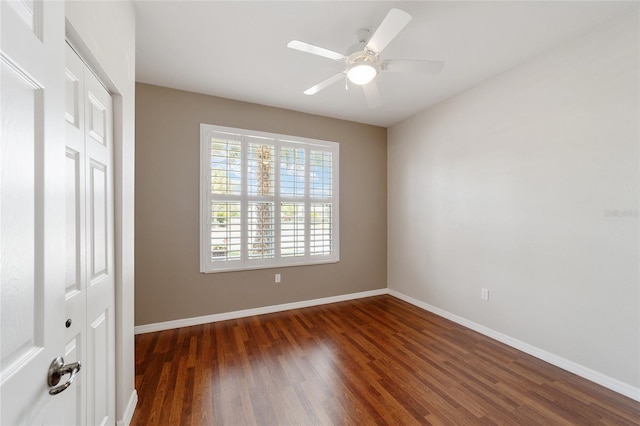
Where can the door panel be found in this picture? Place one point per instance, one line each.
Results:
(73, 276)
(72, 398)
(99, 344)
(20, 291)
(32, 177)
(97, 117)
(98, 218)
(90, 300)
(100, 292)
(75, 289)
(30, 12)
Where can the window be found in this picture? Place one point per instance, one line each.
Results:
(266, 200)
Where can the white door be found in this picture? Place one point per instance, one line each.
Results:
(32, 188)
(89, 284)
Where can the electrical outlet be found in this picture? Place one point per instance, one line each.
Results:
(484, 294)
(277, 278)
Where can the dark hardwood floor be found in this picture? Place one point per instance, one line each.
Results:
(370, 361)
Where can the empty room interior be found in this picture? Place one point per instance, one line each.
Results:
(472, 256)
(320, 212)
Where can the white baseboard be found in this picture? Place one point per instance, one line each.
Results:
(168, 325)
(575, 368)
(128, 412)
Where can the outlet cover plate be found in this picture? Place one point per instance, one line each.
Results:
(484, 294)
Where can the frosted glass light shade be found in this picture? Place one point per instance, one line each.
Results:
(361, 74)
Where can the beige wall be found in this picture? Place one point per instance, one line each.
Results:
(168, 284)
(528, 185)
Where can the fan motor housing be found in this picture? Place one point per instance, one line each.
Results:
(360, 57)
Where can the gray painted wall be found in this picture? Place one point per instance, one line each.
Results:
(528, 185)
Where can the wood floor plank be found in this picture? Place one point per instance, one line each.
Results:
(374, 361)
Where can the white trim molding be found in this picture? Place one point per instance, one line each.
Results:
(573, 367)
(187, 322)
(570, 366)
(128, 412)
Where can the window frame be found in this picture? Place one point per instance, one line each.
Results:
(207, 265)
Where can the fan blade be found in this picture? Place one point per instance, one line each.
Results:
(315, 50)
(390, 27)
(323, 84)
(372, 95)
(423, 67)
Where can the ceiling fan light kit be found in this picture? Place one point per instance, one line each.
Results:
(362, 73)
(362, 68)
(363, 61)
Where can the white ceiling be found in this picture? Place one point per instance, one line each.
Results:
(237, 49)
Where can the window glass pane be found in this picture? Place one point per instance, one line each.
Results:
(225, 231)
(292, 229)
(225, 166)
(320, 238)
(260, 169)
(292, 172)
(320, 174)
(261, 231)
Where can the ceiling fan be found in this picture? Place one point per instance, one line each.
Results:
(363, 61)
